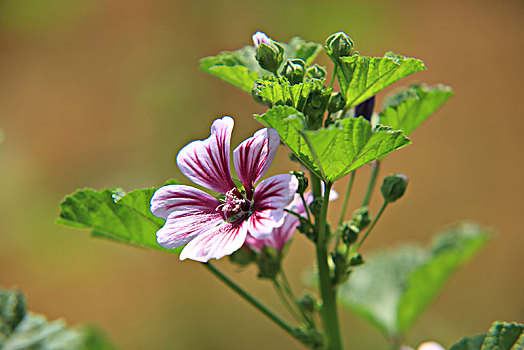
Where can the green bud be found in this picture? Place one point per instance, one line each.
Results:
(349, 233)
(268, 261)
(242, 257)
(315, 106)
(255, 94)
(361, 218)
(339, 45)
(270, 56)
(394, 187)
(316, 206)
(307, 229)
(316, 72)
(302, 181)
(336, 103)
(311, 338)
(294, 70)
(307, 303)
(356, 260)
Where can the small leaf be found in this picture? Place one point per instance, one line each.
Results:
(392, 288)
(362, 77)
(500, 336)
(334, 151)
(240, 67)
(410, 107)
(112, 214)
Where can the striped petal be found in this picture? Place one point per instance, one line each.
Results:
(216, 243)
(271, 197)
(206, 162)
(253, 157)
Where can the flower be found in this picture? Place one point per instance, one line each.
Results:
(283, 234)
(211, 227)
(260, 38)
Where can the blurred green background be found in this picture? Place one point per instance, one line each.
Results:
(105, 93)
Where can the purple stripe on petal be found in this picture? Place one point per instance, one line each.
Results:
(275, 192)
(179, 229)
(206, 162)
(183, 199)
(216, 243)
(253, 157)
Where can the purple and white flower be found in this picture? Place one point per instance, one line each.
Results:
(211, 227)
(260, 38)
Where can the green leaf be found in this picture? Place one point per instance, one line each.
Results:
(393, 287)
(240, 67)
(469, 343)
(280, 92)
(362, 77)
(500, 336)
(20, 329)
(410, 107)
(504, 336)
(113, 214)
(334, 151)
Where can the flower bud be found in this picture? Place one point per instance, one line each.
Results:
(356, 260)
(270, 56)
(339, 45)
(349, 233)
(361, 218)
(294, 70)
(242, 257)
(394, 187)
(268, 261)
(316, 72)
(365, 109)
(336, 103)
(302, 181)
(260, 38)
(307, 303)
(316, 206)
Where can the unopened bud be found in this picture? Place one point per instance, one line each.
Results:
(316, 206)
(339, 45)
(294, 70)
(349, 233)
(260, 38)
(270, 56)
(316, 72)
(242, 257)
(307, 303)
(394, 187)
(268, 261)
(361, 218)
(336, 103)
(302, 181)
(356, 260)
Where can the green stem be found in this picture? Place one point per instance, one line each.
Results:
(372, 181)
(334, 76)
(372, 224)
(306, 208)
(346, 198)
(250, 299)
(315, 185)
(328, 293)
(291, 295)
(285, 301)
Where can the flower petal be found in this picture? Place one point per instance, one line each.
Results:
(253, 157)
(188, 212)
(218, 242)
(206, 162)
(271, 197)
(172, 198)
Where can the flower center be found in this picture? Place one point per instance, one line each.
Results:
(235, 207)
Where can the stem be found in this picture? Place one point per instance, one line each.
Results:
(372, 224)
(280, 292)
(250, 299)
(334, 76)
(346, 198)
(327, 292)
(291, 295)
(306, 208)
(371, 185)
(315, 185)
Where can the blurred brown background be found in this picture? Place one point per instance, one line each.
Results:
(105, 93)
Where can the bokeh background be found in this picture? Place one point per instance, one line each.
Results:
(104, 93)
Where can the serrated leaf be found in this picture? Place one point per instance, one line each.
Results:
(334, 151)
(240, 67)
(115, 215)
(393, 287)
(409, 108)
(504, 336)
(361, 77)
(500, 336)
(280, 92)
(469, 343)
